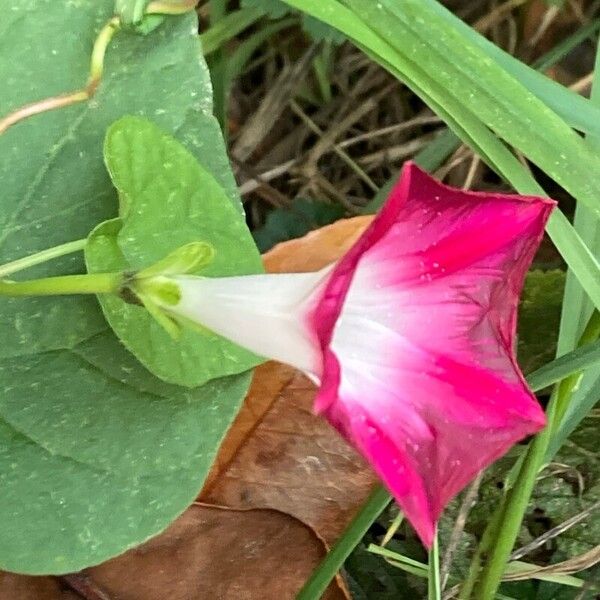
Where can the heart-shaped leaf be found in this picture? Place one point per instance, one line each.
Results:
(168, 200)
(96, 454)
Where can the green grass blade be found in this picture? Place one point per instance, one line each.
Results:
(426, 48)
(577, 309)
(238, 59)
(466, 125)
(557, 53)
(228, 27)
(576, 110)
(471, 93)
(325, 572)
(578, 360)
(434, 583)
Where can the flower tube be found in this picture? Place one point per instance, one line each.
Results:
(410, 335)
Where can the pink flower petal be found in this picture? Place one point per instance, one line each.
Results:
(417, 327)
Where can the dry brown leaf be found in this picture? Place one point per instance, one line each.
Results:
(316, 249)
(278, 454)
(206, 554)
(294, 462)
(21, 587)
(267, 384)
(218, 554)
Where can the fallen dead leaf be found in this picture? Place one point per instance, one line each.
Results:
(317, 249)
(291, 461)
(206, 554)
(278, 454)
(21, 587)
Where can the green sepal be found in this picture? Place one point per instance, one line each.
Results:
(133, 17)
(186, 259)
(185, 323)
(148, 24)
(163, 292)
(170, 325)
(157, 296)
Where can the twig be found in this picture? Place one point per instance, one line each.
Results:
(397, 128)
(345, 157)
(554, 532)
(583, 84)
(459, 526)
(259, 180)
(263, 120)
(328, 138)
(566, 567)
(475, 161)
(395, 153)
(497, 14)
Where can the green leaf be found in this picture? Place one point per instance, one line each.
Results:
(55, 187)
(168, 200)
(96, 454)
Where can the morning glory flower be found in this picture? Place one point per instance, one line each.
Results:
(410, 335)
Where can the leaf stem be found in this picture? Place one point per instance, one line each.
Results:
(40, 257)
(314, 588)
(434, 585)
(98, 283)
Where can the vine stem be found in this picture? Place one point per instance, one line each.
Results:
(41, 257)
(96, 66)
(98, 283)
(96, 69)
(170, 8)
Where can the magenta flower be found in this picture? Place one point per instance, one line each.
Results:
(410, 335)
